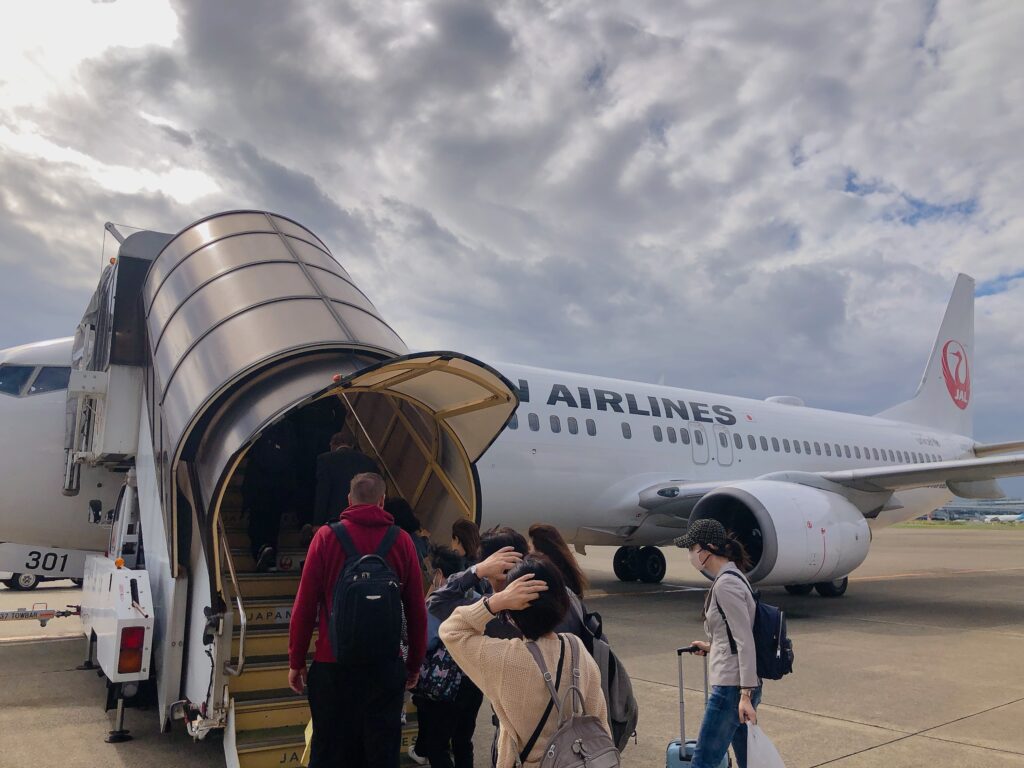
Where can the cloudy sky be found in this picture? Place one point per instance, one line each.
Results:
(755, 198)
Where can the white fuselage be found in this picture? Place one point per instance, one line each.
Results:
(33, 510)
(541, 468)
(584, 483)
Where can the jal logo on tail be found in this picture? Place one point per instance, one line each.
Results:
(956, 370)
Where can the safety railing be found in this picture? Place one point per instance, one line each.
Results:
(233, 669)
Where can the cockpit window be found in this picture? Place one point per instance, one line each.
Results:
(50, 379)
(14, 377)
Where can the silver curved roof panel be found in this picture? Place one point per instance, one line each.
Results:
(238, 292)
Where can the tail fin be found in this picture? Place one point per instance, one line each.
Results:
(943, 399)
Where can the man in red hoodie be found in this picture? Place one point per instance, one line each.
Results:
(356, 711)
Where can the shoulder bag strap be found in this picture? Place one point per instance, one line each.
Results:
(552, 689)
(388, 541)
(342, 534)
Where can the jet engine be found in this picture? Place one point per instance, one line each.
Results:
(794, 534)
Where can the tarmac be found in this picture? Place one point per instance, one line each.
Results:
(921, 663)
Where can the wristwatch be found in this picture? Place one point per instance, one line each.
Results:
(748, 692)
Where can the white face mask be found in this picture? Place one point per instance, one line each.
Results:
(695, 559)
(698, 558)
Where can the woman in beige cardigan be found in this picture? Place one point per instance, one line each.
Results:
(536, 601)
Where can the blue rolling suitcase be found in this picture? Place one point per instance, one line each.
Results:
(680, 752)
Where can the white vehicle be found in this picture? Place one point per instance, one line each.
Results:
(199, 342)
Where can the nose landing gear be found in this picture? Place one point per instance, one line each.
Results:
(646, 564)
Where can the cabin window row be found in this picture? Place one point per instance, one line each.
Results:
(572, 424)
(808, 447)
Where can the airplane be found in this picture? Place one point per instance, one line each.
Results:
(197, 343)
(608, 462)
(1005, 518)
(44, 534)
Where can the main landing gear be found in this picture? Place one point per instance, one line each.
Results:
(646, 564)
(836, 588)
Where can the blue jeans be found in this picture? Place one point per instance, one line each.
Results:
(722, 727)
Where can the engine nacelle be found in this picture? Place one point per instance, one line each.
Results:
(795, 534)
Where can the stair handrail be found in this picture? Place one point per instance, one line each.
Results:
(236, 669)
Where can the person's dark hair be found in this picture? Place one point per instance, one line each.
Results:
(468, 534)
(496, 538)
(735, 551)
(405, 518)
(446, 560)
(549, 542)
(367, 488)
(338, 440)
(549, 609)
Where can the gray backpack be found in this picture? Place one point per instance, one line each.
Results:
(623, 711)
(580, 740)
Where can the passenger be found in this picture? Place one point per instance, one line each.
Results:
(466, 539)
(315, 424)
(356, 711)
(334, 472)
(536, 600)
(735, 686)
(445, 725)
(267, 490)
(546, 540)
(406, 519)
(500, 550)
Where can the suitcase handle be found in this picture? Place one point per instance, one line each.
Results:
(682, 707)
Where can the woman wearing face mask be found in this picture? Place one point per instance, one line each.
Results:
(728, 609)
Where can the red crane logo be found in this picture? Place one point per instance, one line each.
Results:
(957, 372)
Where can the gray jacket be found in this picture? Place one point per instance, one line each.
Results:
(734, 598)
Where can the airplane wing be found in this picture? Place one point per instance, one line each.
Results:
(961, 474)
(870, 488)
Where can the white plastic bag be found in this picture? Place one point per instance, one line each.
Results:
(761, 753)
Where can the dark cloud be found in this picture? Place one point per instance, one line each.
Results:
(735, 196)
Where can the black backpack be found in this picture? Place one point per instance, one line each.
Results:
(366, 616)
(774, 648)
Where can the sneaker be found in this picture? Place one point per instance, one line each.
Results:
(266, 560)
(306, 534)
(416, 758)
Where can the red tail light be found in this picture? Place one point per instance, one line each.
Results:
(130, 658)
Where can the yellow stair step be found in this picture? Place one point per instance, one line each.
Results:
(278, 708)
(265, 641)
(261, 673)
(271, 747)
(277, 584)
(287, 560)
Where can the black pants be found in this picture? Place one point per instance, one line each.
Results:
(357, 715)
(448, 725)
(266, 503)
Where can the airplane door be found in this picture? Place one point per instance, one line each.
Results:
(701, 449)
(724, 447)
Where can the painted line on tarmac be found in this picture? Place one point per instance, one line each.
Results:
(923, 733)
(598, 594)
(928, 574)
(41, 638)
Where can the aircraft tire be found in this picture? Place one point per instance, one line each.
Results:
(652, 565)
(835, 588)
(625, 564)
(22, 582)
(799, 589)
